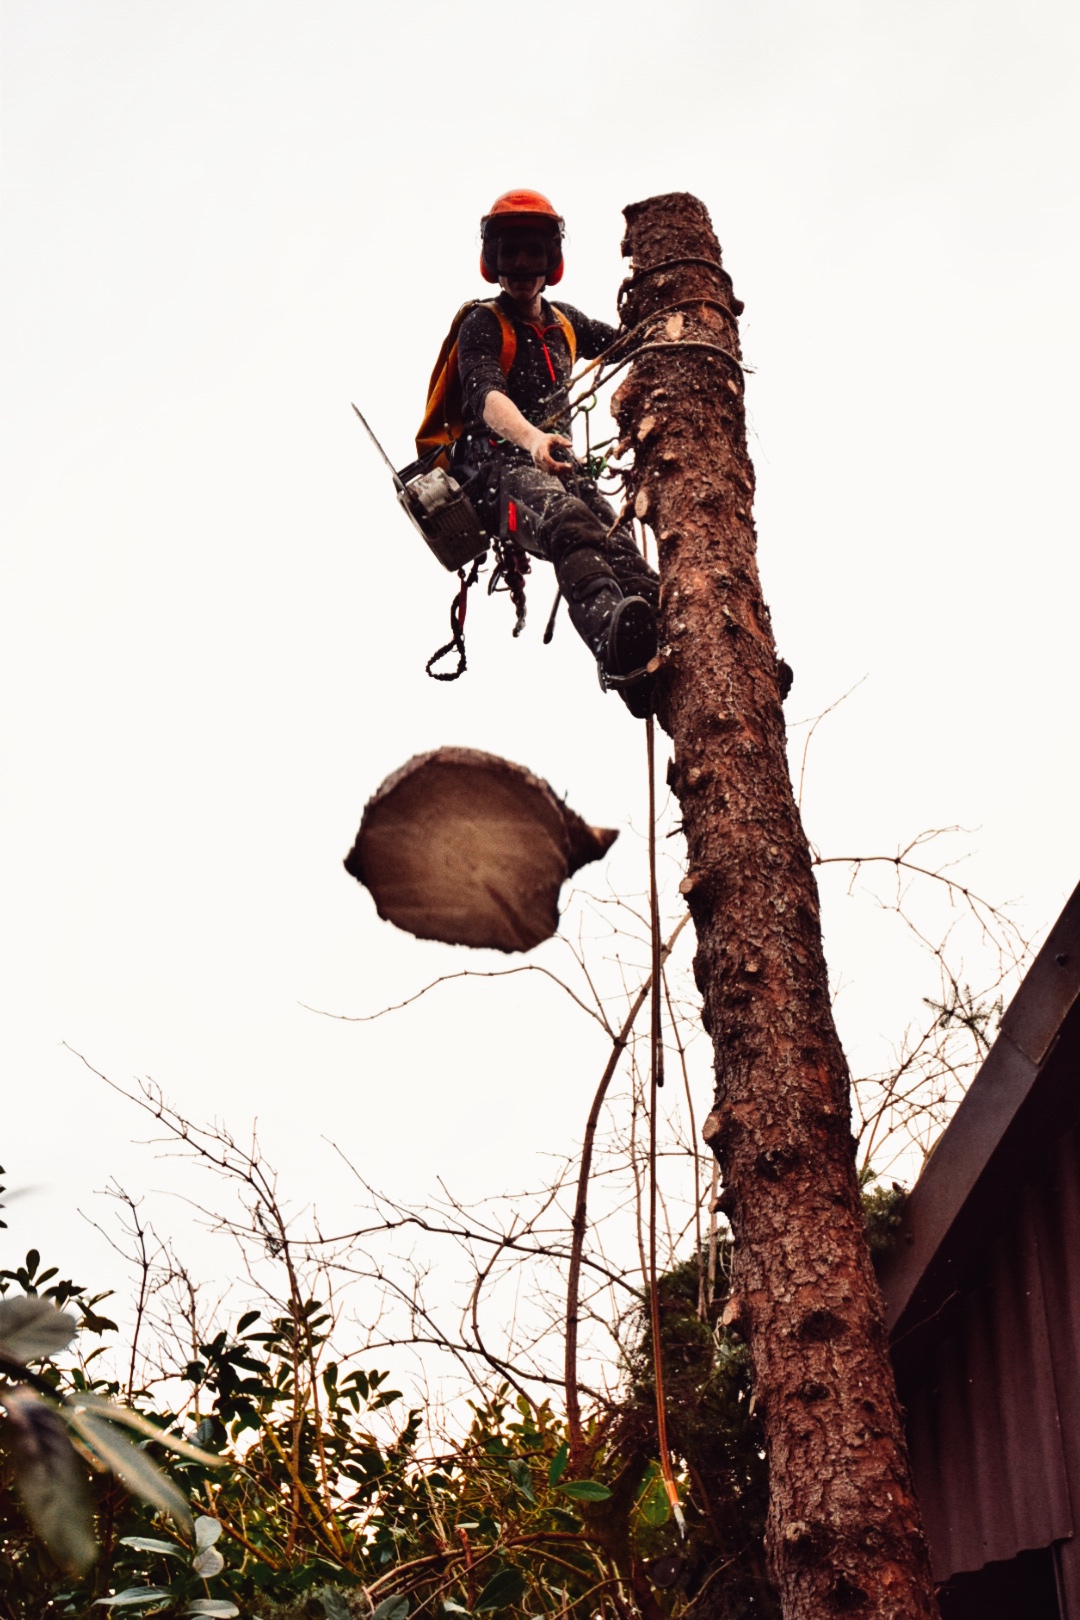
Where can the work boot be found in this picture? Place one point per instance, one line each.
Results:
(630, 647)
(619, 630)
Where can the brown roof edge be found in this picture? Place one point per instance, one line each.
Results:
(1002, 1086)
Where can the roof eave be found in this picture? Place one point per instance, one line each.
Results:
(1007, 1082)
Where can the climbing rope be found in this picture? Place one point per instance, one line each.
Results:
(458, 609)
(607, 365)
(512, 564)
(669, 264)
(656, 1080)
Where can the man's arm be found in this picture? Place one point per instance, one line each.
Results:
(484, 389)
(503, 417)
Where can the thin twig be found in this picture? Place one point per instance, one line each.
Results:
(578, 1222)
(465, 973)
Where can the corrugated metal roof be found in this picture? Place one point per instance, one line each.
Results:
(1059, 1258)
(985, 1427)
(956, 1173)
(983, 1294)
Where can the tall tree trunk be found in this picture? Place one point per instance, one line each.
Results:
(844, 1534)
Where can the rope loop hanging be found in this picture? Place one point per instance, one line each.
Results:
(512, 564)
(458, 608)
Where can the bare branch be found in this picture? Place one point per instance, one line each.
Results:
(468, 973)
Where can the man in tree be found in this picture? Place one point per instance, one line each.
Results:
(515, 445)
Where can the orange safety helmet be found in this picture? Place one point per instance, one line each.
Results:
(521, 208)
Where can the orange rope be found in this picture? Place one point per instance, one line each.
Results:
(656, 1080)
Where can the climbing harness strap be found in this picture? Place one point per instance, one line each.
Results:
(568, 332)
(583, 566)
(443, 421)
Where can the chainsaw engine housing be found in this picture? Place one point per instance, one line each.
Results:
(445, 516)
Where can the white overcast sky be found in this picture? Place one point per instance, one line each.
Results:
(225, 219)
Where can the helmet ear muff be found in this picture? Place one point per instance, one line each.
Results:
(555, 275)
(485, 270)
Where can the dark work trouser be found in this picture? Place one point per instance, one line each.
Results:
(595, 563)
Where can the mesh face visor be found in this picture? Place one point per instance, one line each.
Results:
(518, 234)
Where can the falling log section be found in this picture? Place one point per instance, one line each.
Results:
(844, 1535)
(471, 849)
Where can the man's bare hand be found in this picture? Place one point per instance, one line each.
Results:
(504, 418)
(541, 451)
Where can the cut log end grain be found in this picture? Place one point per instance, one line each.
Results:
(471, 849)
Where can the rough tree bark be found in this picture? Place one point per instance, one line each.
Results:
(843, 1533)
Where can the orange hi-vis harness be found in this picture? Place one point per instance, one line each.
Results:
(444, 422)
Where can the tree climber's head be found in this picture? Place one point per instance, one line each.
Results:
(522, 244)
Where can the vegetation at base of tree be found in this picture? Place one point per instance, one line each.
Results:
(319, 1492)
(720, 1568)
(315, 1513)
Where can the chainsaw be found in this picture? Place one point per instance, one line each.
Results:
(438, 507)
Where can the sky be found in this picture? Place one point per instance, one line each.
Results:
(222, 223)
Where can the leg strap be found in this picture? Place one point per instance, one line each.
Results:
(638, 582)
(582, 572)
